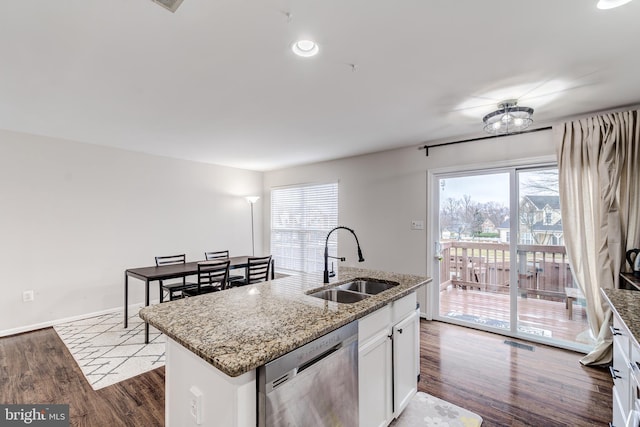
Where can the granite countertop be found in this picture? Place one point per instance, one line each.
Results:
(240, 329)
(626, 302)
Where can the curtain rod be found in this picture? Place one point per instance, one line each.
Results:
(426, 147)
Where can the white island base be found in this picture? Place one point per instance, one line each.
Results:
(198, 394)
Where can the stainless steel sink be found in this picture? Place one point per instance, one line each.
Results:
(354, 291)
(339, 295)
(369, 287)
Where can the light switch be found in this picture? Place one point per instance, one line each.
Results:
(417, 224)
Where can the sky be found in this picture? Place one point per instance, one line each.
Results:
(489, 188)
(481, 188)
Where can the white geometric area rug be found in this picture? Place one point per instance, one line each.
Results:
(107, 353)
(426, 410)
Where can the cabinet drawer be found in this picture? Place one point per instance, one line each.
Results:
(403, 307)
(619, 416)
(634, 364)
(373, 323)
(635, 360)
(620, 336)
(620, 354)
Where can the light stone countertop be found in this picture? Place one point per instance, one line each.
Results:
(627, 304)
(240, 329)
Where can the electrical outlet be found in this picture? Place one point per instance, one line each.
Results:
(28, 296)
(195, 404)
(417, 224)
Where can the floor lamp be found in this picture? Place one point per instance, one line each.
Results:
(251, 200)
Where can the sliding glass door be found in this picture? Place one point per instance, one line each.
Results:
(549, 303)
(473, 261)
(500, 262)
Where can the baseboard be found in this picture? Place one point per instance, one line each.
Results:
(22, 329)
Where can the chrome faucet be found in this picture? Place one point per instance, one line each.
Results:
(326, 252)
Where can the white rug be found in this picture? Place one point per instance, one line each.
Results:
(426, 410)
(107, 353)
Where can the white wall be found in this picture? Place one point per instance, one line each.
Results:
(74, 216)
(381, 193)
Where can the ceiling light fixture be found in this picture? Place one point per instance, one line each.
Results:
(610, 4)
(508, 118)
(305, 48)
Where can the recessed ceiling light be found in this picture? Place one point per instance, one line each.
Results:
(305, 48)
(610, 4)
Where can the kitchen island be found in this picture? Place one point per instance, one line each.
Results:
(217, 341)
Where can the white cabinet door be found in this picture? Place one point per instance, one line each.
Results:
(618, 412)
(621, 369)
(375, 376)
(405, 361)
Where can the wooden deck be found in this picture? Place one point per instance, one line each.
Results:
(536, 316)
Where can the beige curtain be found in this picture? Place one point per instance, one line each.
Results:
(598, 162)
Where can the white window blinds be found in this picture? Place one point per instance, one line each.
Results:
(301, 217)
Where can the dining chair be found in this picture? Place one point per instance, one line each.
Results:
(212, 277)
(173, 289)
(222, 255)
(216, 255)
(257, 270)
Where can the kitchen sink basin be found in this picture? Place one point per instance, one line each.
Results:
(369, 287)
(354, 291)
(339, 295)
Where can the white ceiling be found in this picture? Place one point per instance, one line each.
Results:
(216, 81)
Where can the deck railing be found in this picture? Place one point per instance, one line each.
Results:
(543, 271)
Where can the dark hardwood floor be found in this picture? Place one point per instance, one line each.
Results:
(506, 385)
(511, 386)
(36, 367)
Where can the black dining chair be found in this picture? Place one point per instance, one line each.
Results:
(173, 289)
(257, 270)
(212, 277)
(221, 255)
(216, 255)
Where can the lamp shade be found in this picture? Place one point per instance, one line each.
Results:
(252, 199)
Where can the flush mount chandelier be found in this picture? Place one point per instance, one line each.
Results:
(508, 118)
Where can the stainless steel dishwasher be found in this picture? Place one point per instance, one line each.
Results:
(315, 385)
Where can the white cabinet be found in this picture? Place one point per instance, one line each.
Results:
(625, 372)
(375, 381)
(406, 351)
(388, 361)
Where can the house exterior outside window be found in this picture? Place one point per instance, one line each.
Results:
(540, 221)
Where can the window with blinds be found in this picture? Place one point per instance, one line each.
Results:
(301, 217)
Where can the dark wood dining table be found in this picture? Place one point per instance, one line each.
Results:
(165, 272)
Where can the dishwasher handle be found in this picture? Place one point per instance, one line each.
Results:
(319, 358)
